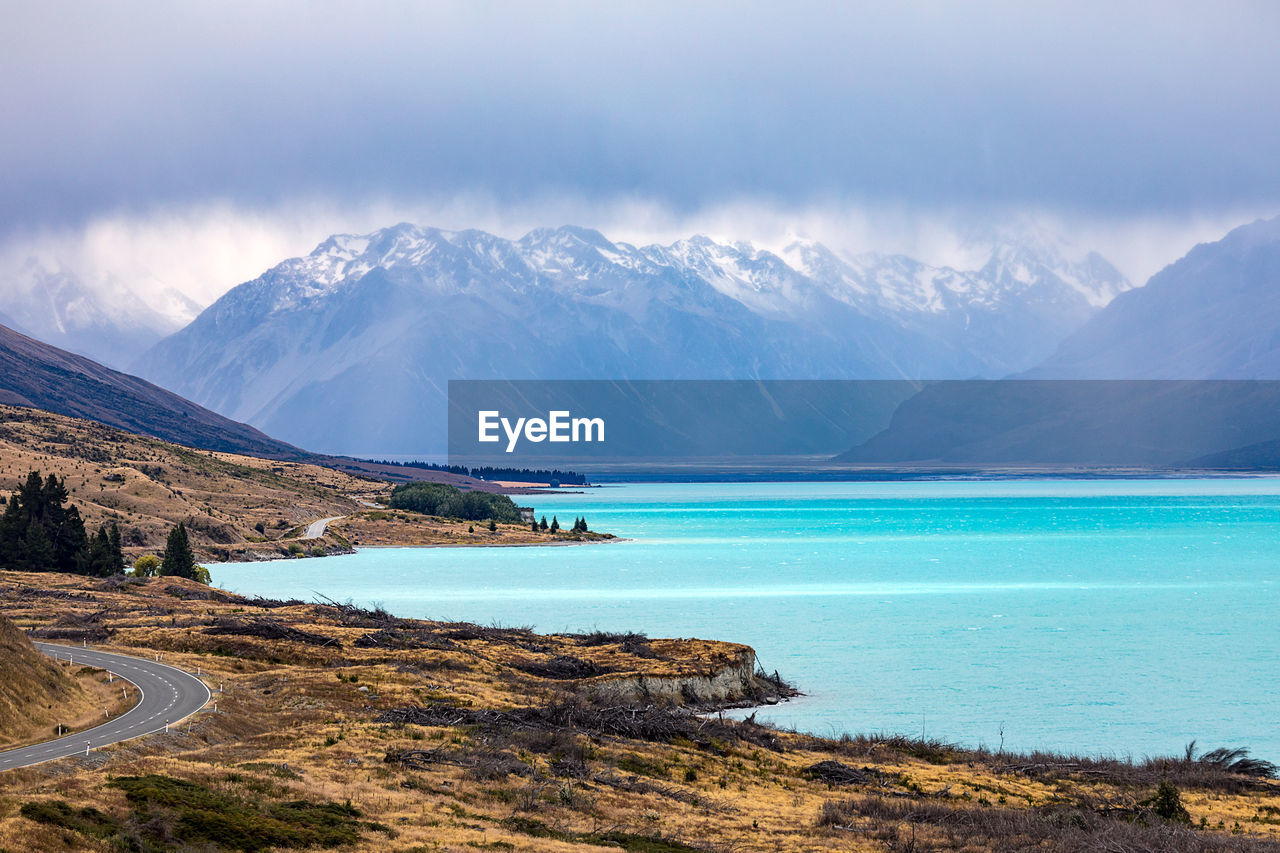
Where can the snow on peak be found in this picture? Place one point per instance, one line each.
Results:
(1027, 265)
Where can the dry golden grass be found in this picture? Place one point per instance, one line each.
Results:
(33, 690)
(298, 716)
(146, 485)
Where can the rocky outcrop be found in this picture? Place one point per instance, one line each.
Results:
(731, 685)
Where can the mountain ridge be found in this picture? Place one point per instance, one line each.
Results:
(1212, 314)
(386, 318)
(39, 375)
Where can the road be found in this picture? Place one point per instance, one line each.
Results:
(169, 695)
(316, 528)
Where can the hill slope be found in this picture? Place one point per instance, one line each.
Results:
(34, 692)
(41, 376)
(1214, 314)
(234, 506)
(147, 485)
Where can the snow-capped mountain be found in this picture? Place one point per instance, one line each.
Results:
(109, 323)
(349, 349)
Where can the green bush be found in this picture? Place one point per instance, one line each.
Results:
(202, 816)
(87, 821)
(1166, 803)
(146, 566)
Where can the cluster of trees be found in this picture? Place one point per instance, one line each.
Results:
(555, 477)
(448, 502)
(579, 525)
(40, 533)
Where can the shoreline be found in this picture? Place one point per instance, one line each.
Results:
(276, 556)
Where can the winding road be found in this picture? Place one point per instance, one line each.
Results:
(169, 695)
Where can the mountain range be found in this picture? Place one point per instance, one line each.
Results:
(1199, 344)
(349, 349)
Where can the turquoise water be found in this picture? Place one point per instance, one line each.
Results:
(1116, 617)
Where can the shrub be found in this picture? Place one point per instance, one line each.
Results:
(146, 566)
(1167, 803)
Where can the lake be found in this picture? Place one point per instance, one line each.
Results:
(1116, 617)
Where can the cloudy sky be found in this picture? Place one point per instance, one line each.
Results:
(194, 144)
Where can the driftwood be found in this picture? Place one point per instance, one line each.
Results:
(268, 629)
(561, 667)
(650, 723)
(26, 593)
(404, 638)
(836, 773)
(87, 627)
(481, 765)
(636, 785)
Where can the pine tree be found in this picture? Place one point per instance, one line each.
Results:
(555, 525)
(70, 544)
(97, 559)
(544, 523)
(12, 531)
(117, 550)
(534, 526)
(30, 496)
(40, 533)
(37, 550)
(178, 560)
(493, 526)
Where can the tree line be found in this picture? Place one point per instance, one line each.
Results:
(555, 477)
(579, 525)
(40, 533)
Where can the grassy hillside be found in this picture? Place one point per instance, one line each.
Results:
(147, 485)
(408, 735)
(235, 507)
(33, 689)
(37, 694)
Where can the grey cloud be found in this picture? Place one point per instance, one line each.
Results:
(1084, 107)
